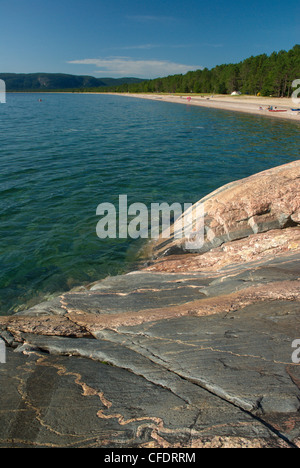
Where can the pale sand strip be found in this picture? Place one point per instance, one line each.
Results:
(248, 104)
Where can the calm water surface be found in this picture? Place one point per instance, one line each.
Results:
(63, 156)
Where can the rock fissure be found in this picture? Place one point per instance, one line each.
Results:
(199, 344)
(206, 386)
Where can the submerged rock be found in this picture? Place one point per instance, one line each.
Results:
(193, 350)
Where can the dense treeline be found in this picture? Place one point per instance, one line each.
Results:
(267, 75)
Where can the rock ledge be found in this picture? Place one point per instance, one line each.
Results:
(194, 350)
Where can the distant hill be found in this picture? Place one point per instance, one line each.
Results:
(59, 81)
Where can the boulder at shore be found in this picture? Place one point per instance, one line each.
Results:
(196, 349)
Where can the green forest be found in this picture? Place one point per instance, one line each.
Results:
(268, 75)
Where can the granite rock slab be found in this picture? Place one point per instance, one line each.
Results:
(262, 202)
(192, 350)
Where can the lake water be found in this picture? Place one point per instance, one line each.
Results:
(63, 156)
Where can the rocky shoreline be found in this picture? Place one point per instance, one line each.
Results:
(194, 350)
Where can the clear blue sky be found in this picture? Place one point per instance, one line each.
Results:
(140, 38)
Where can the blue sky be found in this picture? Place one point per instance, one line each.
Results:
(144, 39)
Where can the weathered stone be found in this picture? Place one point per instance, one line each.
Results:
(56, 326)
(54, 401)
(256, 248)
(190, 351)
(265, 201)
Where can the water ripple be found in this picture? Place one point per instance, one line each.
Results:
(62, 157)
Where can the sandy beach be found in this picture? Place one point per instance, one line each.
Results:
(249, 104)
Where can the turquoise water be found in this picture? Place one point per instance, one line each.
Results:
(63, 156)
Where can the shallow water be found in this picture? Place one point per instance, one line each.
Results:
(63, 156)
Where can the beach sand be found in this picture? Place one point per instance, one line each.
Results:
(249, 104)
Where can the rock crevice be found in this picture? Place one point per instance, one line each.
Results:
(193, 350)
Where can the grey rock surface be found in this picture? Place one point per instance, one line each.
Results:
(190, 351)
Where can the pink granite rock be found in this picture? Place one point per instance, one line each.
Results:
(262, 202)
(195, 351)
